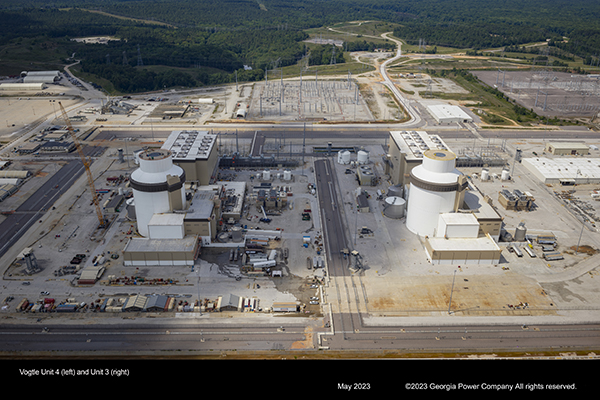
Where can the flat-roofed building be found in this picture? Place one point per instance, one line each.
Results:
(161, 252)
(490, 222)
(462, 251)
(448, 114)
(166, 226)
(28, 147)
(195, 152)
(201, 218)
(567, 148)
(567, 171)
(405, 152)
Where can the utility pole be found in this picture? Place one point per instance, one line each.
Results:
(451, 291)
(139, 57)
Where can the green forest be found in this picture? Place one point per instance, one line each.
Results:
(208, 41)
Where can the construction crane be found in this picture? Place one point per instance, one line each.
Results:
(86, 163)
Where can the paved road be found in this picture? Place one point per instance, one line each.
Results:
(15, 225)
(209, 334)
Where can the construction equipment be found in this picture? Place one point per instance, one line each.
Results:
(86, 163)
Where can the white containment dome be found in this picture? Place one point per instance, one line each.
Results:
(395, 207)
(344, 157)
(362, 157)
(158, 186)
(434, 189)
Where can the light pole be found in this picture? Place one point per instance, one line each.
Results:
(451, 291)
(580, 234)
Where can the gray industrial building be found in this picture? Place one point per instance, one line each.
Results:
(40, 76)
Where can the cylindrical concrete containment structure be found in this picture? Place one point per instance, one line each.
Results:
(434, 187)
(158, 186)
(131, 209)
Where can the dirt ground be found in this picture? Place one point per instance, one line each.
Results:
(480, 295)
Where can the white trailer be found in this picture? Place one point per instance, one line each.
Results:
(529, 251)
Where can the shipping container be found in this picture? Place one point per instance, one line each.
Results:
(553, 256)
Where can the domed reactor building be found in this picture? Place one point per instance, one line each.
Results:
(436, 187)
(158, 187)
(174, 224)
(439, 212)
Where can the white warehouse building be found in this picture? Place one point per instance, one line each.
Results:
(448, 114)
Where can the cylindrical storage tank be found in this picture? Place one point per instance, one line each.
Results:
(266, 175)
(344, 157)
(287, 175)
(395, 190)
(395, 207)
(362, 157)
(505, 175)
(157, 186)
(520, 233)
(131, 209)
(433, 190)
(485, 175)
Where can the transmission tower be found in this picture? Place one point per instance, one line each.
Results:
(124, 58)
(139, 58)
(332, 62)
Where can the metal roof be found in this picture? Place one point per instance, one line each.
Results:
(137, 302)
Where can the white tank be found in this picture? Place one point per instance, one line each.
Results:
(505, 175)
(395, 190)
(485, 175)
(287, 175)
(151, 189)
(266, 175)
(395, 207)
(344, 157)
(362, 157)
(131, 209)
(433, 190)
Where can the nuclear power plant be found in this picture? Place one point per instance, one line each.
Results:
(436, 187)
(174, 224)
(157, 187)
(437, 202)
